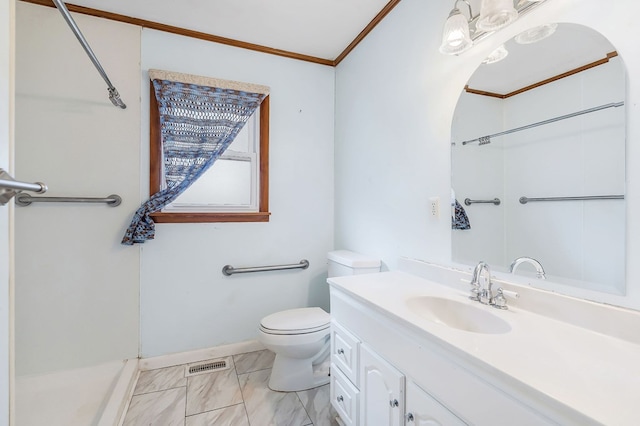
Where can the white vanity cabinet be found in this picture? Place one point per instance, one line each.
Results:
(380, 397)
(373, 355)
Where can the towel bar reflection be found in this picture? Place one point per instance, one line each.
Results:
(484, 140)
(24, 200)
(230, 270)
(495, 201)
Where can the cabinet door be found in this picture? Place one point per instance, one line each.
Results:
(424, 410)
(381, 391)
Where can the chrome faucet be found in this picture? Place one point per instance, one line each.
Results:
(479, 292)
(539, 269)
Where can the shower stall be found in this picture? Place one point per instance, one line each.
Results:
(76, 310)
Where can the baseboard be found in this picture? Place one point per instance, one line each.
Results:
(120, 395)
(199, 355)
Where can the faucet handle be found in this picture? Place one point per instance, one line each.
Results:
(500, 302)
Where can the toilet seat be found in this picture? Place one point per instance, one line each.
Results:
(296, 321)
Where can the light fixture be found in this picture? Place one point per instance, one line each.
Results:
(461, 32)
(455, 35)
(496, 14)
(535, 34)
(497, 55)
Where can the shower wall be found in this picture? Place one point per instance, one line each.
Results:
(76, 286)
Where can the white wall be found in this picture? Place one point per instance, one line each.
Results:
(391, 155)
(76, 286)
(395, 98)
(186, 302)
(7, 12)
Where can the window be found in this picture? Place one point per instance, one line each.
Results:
(243, 168)
(231, 183)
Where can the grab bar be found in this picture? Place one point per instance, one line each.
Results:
(495, 201)
(114, 96)
(525, 200)
(24, 200)
(230, 270)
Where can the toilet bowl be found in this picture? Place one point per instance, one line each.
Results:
(300, 340)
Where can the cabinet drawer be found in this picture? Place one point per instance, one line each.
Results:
(344, 351)
(344, 397)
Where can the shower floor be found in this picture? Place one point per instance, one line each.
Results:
(68, 398)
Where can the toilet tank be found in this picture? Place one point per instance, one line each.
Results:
(345, 262)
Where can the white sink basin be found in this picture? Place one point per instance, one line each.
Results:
(456, 314)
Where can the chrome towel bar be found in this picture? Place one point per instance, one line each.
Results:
(495, 201)
(230, 270)
(24, 200)
(525, 200)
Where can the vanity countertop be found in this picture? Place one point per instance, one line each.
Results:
(589, 372)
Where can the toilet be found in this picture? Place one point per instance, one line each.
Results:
(300, 337)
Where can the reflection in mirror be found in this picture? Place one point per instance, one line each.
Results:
(546, 122)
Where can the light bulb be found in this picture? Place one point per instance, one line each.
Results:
(455, 35)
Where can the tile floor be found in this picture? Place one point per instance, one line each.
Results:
(237, 396)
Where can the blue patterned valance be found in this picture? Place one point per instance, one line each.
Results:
(197, 124)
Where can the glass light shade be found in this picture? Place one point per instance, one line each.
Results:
(497, 55)
(496, 14)
(533, 35)
(455, 35)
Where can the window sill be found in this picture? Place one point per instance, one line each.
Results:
(209, 217)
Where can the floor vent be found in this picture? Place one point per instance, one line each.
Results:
(207, 367)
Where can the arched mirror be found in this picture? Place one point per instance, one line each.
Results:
(538, 154)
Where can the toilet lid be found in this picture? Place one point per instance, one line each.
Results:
(303, 320)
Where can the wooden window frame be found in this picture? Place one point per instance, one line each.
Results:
(155, 174)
